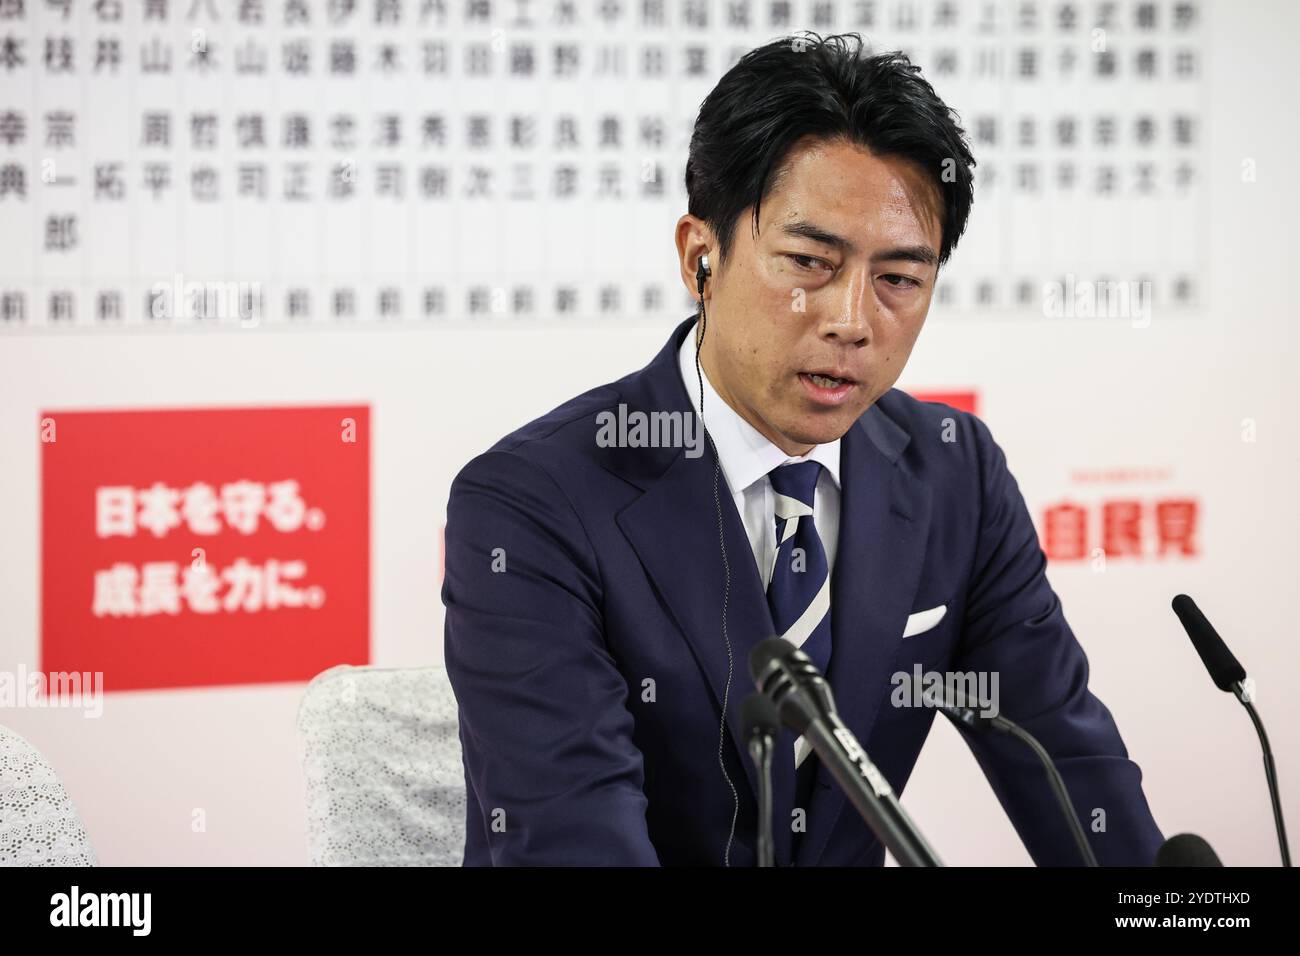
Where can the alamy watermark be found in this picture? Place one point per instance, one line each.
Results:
(638, 429)
(1075, 299)
(132, 911)
(977, 690)
(216, 301)
(72, 690)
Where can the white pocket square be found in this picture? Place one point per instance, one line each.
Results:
(922, 621)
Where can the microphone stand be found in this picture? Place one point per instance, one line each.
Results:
(760, 751)
(964, 717)
(1270, 769)
(868, 791)
(803, 699)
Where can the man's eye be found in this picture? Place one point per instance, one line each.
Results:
(904, 282)
(805, 262)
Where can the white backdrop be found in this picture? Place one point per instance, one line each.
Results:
(1060, 395)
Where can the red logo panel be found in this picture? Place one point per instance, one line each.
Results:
(963, 401)
(187, 548)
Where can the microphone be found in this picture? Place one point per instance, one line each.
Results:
(964, 716)
(1230, 676)
(1186, 849)
(761, 725)
(803, 699)
(1224, 668)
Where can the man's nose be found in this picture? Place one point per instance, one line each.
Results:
(849, 319)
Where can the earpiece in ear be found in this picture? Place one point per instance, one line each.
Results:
(702, 272)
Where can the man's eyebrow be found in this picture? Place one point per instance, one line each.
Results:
(808, 230)
(917, 253)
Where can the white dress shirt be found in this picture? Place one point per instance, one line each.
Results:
(746, 458)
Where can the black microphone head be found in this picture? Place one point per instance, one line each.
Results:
(788, 678)
(935, 694)
(766, 653)
(1186, 849)
(758, 716)
(950, 702)
(1224, 669)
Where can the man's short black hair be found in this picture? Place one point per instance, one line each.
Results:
(830, 88)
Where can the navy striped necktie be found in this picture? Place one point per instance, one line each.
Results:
(799, 594)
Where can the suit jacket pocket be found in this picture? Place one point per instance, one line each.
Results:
(919, 622)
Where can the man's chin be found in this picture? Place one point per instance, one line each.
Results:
(823, 428)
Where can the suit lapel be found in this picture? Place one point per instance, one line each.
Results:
(674, 529)
(884, 522)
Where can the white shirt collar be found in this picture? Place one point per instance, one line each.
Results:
(746, 455)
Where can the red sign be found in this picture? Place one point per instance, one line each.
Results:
(963, 401)
(187, 548)
(1122, 528)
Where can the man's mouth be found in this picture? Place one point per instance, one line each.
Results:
(826, 381)
(827, 386)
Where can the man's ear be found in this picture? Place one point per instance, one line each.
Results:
(694, 239)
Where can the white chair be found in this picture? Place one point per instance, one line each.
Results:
(39, 826)
(381, 757)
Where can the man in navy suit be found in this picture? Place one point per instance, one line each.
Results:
(610, 565)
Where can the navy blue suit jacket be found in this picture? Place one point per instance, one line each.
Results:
(584, 642)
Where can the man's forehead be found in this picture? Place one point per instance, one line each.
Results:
(848, 190)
